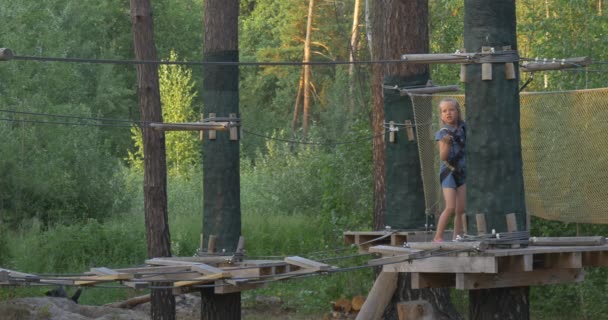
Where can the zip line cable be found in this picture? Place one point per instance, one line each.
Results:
(199, 63)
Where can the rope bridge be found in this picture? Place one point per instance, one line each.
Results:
(565, 163)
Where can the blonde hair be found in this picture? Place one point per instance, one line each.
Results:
(456, 105)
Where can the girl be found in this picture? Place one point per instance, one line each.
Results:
(452, 174)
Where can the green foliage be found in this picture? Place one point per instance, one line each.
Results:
(177, 91)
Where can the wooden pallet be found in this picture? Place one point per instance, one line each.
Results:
(366, 239)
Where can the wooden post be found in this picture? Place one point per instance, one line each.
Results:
(511, 222)
(212, 133)
(379, 296)
(410, 130)
(234, 131)
(391, 132)
(465, 228)
(463, 69)
(509, 66)
(212, 244)
(202, 134)
(486, 68)
(480, 218)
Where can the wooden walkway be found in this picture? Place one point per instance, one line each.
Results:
(182, 273)
(483, 264)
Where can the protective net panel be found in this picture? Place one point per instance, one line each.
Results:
(565, 160)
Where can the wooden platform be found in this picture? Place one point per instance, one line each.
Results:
(476, 266)
(183, 273)
(366, 239)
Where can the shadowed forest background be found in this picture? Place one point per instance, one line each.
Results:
(71, 168)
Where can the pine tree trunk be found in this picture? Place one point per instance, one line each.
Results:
(495, 184)
(155, 169)
(221, 179)
(306, 107)
(354, 43)
(400, 27)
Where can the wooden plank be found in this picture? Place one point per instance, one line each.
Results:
(565, 260)
(467, 281)
(222, 288)
(568, 241)
(154, 269)
(410, 130)
(521, 263)
(187, 261)
(205, 269)
(595, 259)
(445, 264)
(90, 280)
(212, 133)
(307, 263)
(379, 296)
(425, 280)
(199, 280)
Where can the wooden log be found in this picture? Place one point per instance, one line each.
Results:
(463, 69)
(415, 310)
(6, 54)
(557, 64)
(568, 241)
(379, 296)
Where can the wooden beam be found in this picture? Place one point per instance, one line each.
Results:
(564, 260)
(425, 280)
(199, 280)
(448, 245)
(307, 263)
(468, 281)
(445, 264)
(522, 263)
(379, 297)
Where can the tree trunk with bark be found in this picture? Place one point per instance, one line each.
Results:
(221, 179)
(495, 184)
(354, 43)
(401, 27)
(155, 168)
(306, 107)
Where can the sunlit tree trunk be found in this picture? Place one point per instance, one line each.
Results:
(354, 43)
(306, 107)
(155, 167)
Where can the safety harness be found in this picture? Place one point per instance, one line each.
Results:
(452, 166)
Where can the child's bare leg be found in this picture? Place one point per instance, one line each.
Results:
(449, 195)
(461, 199)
